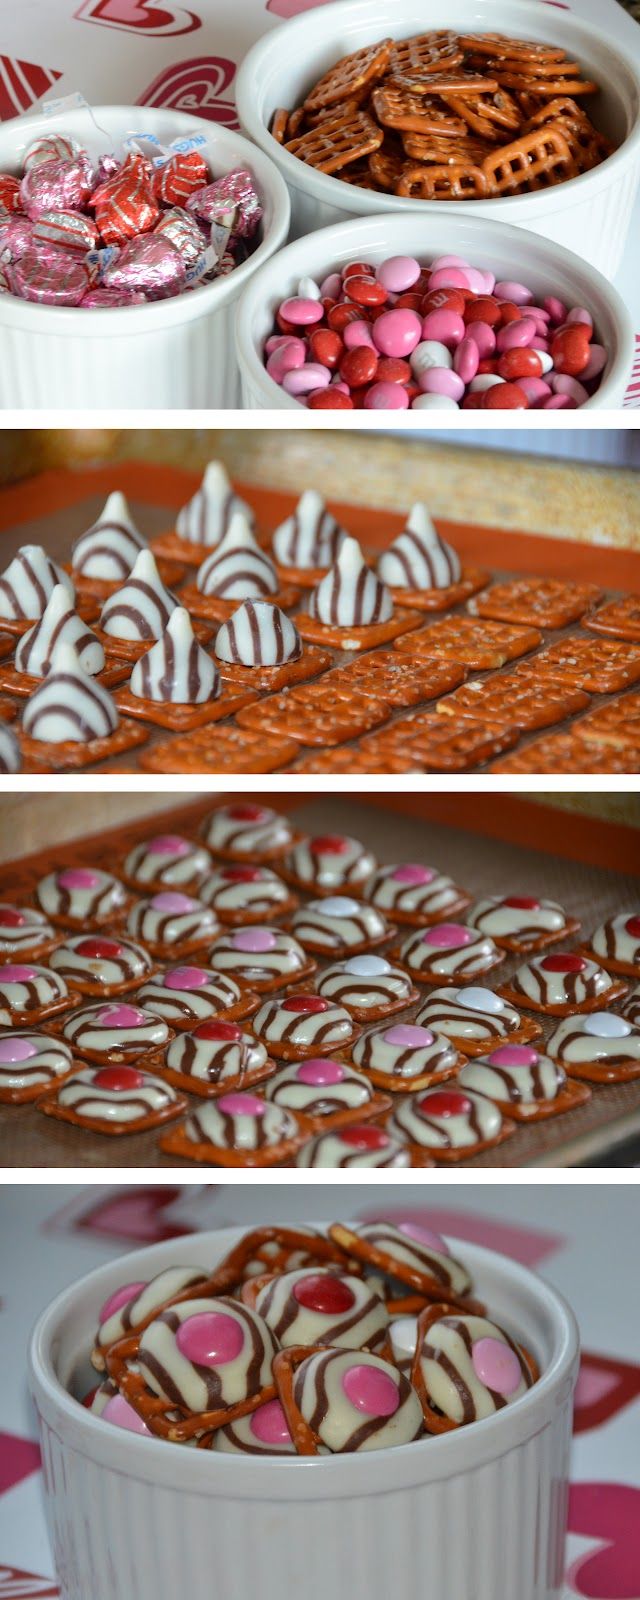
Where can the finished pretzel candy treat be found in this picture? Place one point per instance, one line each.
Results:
(28, 1063)
(27, 584)
(186, 995)
(138, 612)
(110, 547)
(599, 1048)
(297, 1025)
(360, 1145)
(59, 624)
(616, 943)
(561, 984)
(114, 1033)
(368, 987)
(207, 516)
(31, 994)
(520, 922)
(351, 609)
(474, 1019)
(237, 1130)
(338, 923)
(327, 1093)
(81, 896)
(416, 894)
(113, 1100)
(237, 569)
(308, 541)
(209, 1357)
(166, 862)
(172, 923)
(449, 1124)
(242, 831)
(631, 1007)
(96, 965)
(10, 752)
(135, 1304)
(466, 1368)
(243, 894)
(176, 672)
(525, 1084)
(328, 863)
(24, 932)
(405, 1057)
(264, 1432)
(262, 958)
(418, 558)
(446, 953)
(215, 1058)
(347, 1401)
(410, 1254)
(322, 1306)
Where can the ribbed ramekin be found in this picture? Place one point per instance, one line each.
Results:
(169, 353)
(477, 1514)
(590, 214)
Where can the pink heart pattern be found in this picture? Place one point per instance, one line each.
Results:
(530, 1246)
(610, 1514)
(139, 16)
(605, 1387)
(21, 84)
(135, 1215)
(18, 1459)
(17, 1585)
(198, 86)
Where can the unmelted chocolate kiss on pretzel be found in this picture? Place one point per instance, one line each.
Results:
(303, 1343)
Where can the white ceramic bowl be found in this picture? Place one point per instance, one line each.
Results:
(477, 1514)
(590, 214)
(547, 267)
(170, 353)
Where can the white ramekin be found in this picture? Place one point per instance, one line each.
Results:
(170, 353)
(508, 251)
(477, 1514)
(590, 214)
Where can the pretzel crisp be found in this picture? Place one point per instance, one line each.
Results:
(532, 162)
(317, 718)
(443, 183)
(421, 1282)
(352, 74)
(336, 141)
(434, 1420)
(601, 666)
(620, 619)
(479, 644)
(541, 602)
(521, 701)
(163, 1417)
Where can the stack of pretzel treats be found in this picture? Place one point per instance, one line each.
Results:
(253, 997)
(447, 116)
(301, 1343)
(221, 647)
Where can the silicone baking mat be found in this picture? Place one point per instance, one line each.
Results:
(28, 1139)
(566, 1234)
(55, 507)
(161, 53)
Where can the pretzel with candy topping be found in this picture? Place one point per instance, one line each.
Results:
(435, 1421)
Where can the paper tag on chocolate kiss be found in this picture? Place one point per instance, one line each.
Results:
(138, 142)
(67, 102)
(205, 263)
(99, 260)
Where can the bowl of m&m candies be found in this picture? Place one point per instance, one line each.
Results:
(390, 313)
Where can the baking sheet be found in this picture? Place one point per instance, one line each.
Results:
(611, 1117)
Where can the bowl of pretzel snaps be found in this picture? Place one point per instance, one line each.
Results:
(547, 268)
(535, 120)
(480, 1509)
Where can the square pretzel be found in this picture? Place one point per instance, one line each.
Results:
(477, 643)
(219, 750)
(601, 666)
(531, 162)
(516, 700)
(543, 602)
(337, 141)
(354, 72)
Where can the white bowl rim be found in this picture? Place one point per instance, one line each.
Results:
(322, 186)
(301, 1477)
(133, 320)
(354, 234)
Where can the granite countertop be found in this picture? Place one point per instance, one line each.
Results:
(561, 499)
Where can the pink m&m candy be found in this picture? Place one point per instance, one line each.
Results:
(371, 1391)
(210, 1338)
(169, 844)
(186, 978)
(121, 1298)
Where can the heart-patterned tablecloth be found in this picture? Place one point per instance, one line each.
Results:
(157, 52)
(580, 1238)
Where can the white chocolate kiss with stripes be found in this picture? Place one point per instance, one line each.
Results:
(176, 670)
(207, 515)
(170, 918)
(216, 1060)
(207, 1353)
(365, 982)
(27, 584)
(413, 888)
(260, 892)
(310, 537)
(247, 829)
(551, 986)
(189, 994)
(471, 1368)
(469, 1013)
(116, 1027)
(474, 1120)
(404, 1051)
(134, 1302)
(602, 1036)
(25, 988)
(258, 953)
(527, 1080)
(631, 1007)
(238, 569)
(30, 1059)
(258, 635)
(355, 1401)
(81, 893)
(304, 1022)
(240, 1121)
(168, 858)
(111, 546)
(317, 1305)
(331, 861)
(504, 919)
(319, 1087)
(87, 1095)
(10, 753)
(119, 961)
(69, 705)
(351, 595)
(59, 624)
(618, 939)
(337, 922)
(141, 609)
(418, 558)
(421, 1249)
(22, 928)
(345, 1150)
(448, 949)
